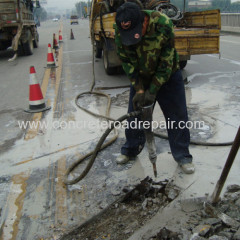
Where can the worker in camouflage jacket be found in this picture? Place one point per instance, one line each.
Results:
(145, 44)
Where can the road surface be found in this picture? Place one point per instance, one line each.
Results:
(34, 202)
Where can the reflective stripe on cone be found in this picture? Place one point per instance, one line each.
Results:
(60, 36)
(50, 57)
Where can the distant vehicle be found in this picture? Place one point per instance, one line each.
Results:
(74, 19)
(55, 19)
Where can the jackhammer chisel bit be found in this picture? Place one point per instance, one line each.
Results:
(147, 117)
(155, 170)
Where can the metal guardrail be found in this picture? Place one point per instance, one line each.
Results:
(230, 19)
(230, 22)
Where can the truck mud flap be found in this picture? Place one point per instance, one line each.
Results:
(110, 52)
(15, 41)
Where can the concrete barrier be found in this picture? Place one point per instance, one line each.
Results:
(230, 22)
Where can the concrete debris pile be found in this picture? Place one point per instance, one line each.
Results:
(220, 222)
(136, 207)
(166, 234)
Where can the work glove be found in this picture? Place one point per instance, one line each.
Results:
(149, 98)
(138, 100)
(137, 84)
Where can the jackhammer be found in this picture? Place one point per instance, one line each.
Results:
(146, 116)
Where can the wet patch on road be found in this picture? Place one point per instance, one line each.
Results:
(121, 100)
(13, 131)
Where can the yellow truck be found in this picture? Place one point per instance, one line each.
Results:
(195, 32)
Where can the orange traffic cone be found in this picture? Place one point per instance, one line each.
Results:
(36, 100)
(60, 37)
(72, 36)
(55, 42)
(50, 57)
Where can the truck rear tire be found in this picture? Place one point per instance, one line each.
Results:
(183, 64)
(98, 50)
(20, 50)
(36, 40)
(109, 70)
(28, 46)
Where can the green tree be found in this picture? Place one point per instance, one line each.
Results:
(223, 5)
(179, 4)
(40, 13)
(235, 7)
(80, 8)
(43, 14)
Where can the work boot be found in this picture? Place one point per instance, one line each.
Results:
(122, 159)
(187, 168)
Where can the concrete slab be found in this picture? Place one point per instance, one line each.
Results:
(48, 208)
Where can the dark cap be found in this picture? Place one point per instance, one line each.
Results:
(129, 19)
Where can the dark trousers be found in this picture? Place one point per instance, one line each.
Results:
(172, 100)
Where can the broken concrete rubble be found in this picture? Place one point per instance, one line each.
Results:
(190, 221)
(136, 207)
(237, 235)
(202, 230)
(233, 188)
(167, 234)
(216, 237)
(149, 212)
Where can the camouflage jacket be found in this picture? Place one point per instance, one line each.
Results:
(150, 63)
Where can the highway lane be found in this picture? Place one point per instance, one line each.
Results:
(230, 46)
(35, 204)
(14, 78)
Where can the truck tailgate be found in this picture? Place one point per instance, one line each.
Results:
(198, 33)
(204, 19)
(8, 11)
(197, 41)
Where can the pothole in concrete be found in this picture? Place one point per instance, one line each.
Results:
(124, 217)
(128, 214)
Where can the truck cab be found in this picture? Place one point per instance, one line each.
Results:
(74, 19)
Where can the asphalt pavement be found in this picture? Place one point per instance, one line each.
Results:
(34, 201)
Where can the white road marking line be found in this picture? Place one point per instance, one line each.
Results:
(222, 40)
(79, 63)
(227, 59)
(11, 214)
(77, 51)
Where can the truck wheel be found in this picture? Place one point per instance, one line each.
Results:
(109, 70)
(36, 40)
(20, 50)
(98, 50)
(183, 64)
(28, 46)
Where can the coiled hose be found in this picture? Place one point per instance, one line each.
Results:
(97, 149)
(101, 145)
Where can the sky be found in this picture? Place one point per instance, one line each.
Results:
(69, 4)
(62, 4)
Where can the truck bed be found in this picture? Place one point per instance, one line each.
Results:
(14, 11)
(197, 33)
